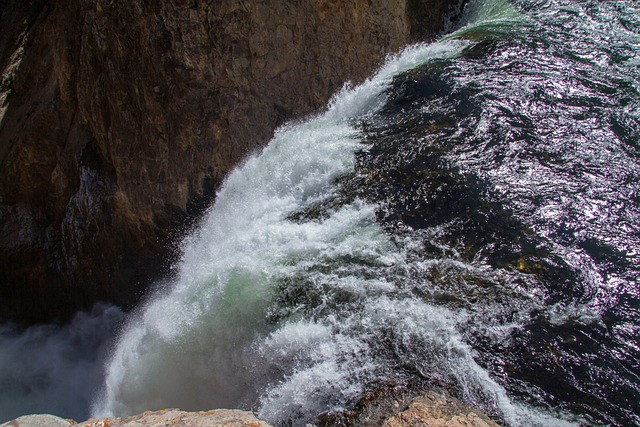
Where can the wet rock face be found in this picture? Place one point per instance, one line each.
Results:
(119, 120)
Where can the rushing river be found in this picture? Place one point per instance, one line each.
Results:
(468, 219)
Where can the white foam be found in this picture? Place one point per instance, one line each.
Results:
(207, 341)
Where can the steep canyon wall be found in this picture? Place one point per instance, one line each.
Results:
(119, 120)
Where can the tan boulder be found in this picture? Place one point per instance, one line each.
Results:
(40, 420)
(438, 409)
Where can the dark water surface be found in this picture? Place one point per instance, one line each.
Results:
(523, 153)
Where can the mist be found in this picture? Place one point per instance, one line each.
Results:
(55, 369)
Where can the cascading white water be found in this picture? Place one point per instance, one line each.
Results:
(205, 343)
(195, 345)
(294, 318)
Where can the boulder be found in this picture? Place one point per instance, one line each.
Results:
(120, 120)
(41, 420)
(433, 409)
(439, 409)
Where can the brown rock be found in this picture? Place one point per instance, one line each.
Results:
(174, 417)
(438, 409)
(164, 418)
(119, 120)
(434, 409)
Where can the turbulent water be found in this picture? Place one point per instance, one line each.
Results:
(467, 219)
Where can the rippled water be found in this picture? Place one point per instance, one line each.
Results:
(521, 157)
(466, 219)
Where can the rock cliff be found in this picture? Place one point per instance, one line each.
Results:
(119, 120)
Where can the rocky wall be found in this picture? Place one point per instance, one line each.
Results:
(119, 120)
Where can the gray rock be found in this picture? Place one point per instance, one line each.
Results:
(38, 421)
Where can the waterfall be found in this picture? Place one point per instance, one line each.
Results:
(289, 298)
(465, 219)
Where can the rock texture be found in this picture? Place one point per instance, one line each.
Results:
(164, 418)
(394, 405)
(42, 420)
(434, 409)
(119, 120)
(175, 417)
(438, 409)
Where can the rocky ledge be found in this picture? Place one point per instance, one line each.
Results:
(164, 418)
(433, 409)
